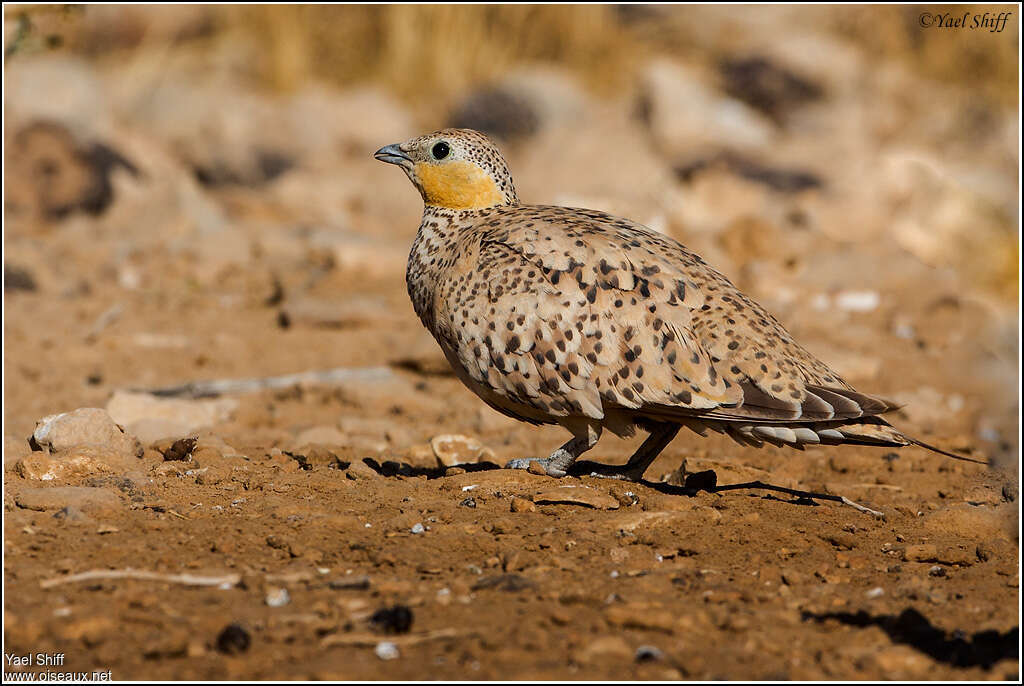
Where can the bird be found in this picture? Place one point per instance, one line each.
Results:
(576, 317)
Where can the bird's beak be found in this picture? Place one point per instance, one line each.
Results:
(392, 154)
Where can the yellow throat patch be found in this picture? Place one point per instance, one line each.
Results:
(457, 185)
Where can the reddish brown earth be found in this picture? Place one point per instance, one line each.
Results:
(899, 269)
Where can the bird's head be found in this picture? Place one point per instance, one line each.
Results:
(458, 169)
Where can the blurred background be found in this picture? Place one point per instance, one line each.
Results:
(190, 190)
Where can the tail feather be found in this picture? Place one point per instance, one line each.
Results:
(940, 451)
(870, 431)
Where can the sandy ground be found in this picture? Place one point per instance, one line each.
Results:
(343, 547)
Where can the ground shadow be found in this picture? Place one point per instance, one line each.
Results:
(958, 649)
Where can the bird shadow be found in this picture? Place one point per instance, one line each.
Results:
(694, 484)
(958, 649)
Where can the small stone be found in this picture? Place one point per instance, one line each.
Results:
(640, 616)
(920, 553)
(876, 592)
(278, 597)
(386, 650)
(536, 467)
(606, 647)
(649, 654)
(396, 619)
(522, 505)
(454, 449)
(180, 450)
(454, 471)
(233, 640)
(580, 495)
(417, 528)
(468, 502)
(360, 470)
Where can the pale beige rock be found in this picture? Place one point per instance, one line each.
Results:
(87, 426)
(455, 449)
(150, 418)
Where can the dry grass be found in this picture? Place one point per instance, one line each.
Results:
(436, 51)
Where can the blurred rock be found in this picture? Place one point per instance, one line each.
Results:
(76, 462)
(322, 435)
(151, 418)
(92, 501)
(766, 86)
(613, 648)
(776, 179)
(18, 278)
(685, 113)
(455, 449)
(497, 112)
(87, 426)
(51, 174)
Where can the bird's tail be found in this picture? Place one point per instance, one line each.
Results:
(873, 431)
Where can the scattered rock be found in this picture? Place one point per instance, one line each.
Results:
(87, 426)
(640, 616)
(360, 470)
(455, 449)
(233, 640)
(151, 418)
(92, 501)
(76, 463)
(920, 553)
(649, 654)
(386, 650)
(18, 279)
(606, 648)
(277, 597)
(497, 112)
(180, 450)
(522, 505)
(767, 86)
(396, 619)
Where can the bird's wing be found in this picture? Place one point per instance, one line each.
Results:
(599, 310)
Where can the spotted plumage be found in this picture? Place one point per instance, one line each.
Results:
(556, 315)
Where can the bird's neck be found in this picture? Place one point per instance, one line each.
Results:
(433, 251)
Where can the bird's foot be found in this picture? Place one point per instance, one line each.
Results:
(550, 465)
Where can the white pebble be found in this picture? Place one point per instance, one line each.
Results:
(876, 592)
(417, 528)
(278, 597)
(386, 650)
(858, 301)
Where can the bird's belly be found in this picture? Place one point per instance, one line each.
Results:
(506, 406)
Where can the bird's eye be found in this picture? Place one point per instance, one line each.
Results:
(440, 150)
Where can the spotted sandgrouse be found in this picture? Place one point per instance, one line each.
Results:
(555, 315)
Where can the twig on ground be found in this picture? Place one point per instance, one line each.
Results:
(215, 387)
(143, 575)
(368, 639)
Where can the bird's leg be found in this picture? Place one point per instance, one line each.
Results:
(661, 436)
(584, 438)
